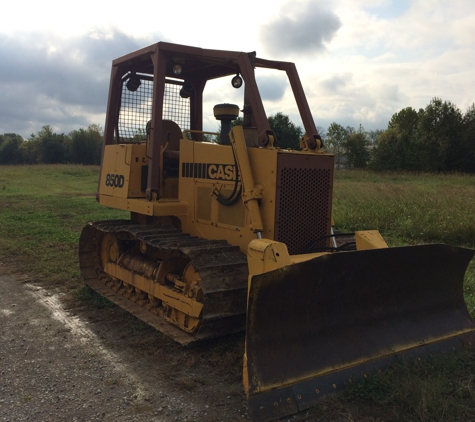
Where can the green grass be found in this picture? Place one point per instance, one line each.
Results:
(406, 208)
(436, 389)
(43, 209)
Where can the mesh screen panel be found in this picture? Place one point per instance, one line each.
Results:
(175, 107)
(303, 201)
(136, 110)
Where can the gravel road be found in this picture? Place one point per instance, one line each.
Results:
(55, 368)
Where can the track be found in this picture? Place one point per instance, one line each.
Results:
(187, 287)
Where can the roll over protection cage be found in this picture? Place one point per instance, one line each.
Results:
(198, 66)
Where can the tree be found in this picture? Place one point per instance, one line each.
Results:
(439, 137)
(405, 121)
(356, 148)
(10, 148)
(287, 133)
(322, 132)
(388, 153)
(335, 137)
(237, 122)
(396, 148)
(30, 151)
(53, 148)
(373, 136)
(86, 145)
(468, 140)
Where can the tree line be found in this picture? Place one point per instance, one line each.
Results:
(82, 146)
(438, 138)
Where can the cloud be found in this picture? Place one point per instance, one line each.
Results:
(271, 88)
(353, 98)
(303, 27)
(62, 82)
(336, 83)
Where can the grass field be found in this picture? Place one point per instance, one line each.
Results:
(42, 211)
(43, 208)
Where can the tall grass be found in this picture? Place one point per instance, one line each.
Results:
(406, 208)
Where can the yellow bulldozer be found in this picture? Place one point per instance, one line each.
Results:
(229, 232)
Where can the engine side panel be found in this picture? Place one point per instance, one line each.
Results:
(206, 168)
(122, 171)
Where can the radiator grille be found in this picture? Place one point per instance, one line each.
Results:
(303, 201)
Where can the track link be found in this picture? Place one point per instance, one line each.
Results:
(146, 271)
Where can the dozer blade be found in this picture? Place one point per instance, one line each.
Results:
(312, 327)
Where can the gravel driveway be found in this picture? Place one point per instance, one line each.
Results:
(55, 368)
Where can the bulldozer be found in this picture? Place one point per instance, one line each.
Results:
(229, 232)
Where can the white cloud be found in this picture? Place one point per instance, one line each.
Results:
(304, 27)
(62, 82)
(376, 65)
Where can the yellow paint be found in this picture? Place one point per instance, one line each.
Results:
(369, 239)
(165, 293)
(265, 255)
(123, 160)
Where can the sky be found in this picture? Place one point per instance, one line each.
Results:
(360, 61)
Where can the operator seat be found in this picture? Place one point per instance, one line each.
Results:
(172, 134)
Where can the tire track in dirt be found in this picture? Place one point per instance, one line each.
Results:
(79, 330)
